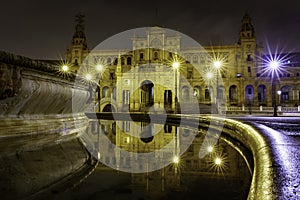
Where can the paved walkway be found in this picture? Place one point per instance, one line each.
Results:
(283, 135)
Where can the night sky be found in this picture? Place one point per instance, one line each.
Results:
(43, 29)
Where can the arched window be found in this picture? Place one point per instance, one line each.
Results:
(105, 92)
(128, 60)
(233, 94)
(114, 93)
(249, 94)
(185, 93)
(262, 93)
(108, 61)
(197, 92)
(155, 55)
(286, 93)
(195, 59)
(207, 95)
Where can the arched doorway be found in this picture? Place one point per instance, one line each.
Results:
(286, 94)
(233, 95)
(147, 94)
(249, 95)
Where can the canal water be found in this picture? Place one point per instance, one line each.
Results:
(220, 173)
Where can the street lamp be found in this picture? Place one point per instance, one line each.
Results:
(274, 65)
(65, 68)
(279, 96)
(210, 149)
(218, 161)
(217, 65)
(176, 65)
(99, 69)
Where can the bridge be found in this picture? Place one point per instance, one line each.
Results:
(38, 117)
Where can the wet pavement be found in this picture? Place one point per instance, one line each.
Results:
(287, 125)
(283, 136)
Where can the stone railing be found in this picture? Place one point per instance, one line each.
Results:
(263, 109)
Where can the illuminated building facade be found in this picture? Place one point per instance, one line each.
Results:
(139, 79)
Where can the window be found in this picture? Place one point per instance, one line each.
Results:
(195, 59)
(155, 55)
(249, 91)
(126, 128)
(105, 92)
(207, 94)
(128, 60)
(108, 61)
(249, 57)
(142, 56)
(167, 128)
(126, 96)
(112, 75)
(249, 69)
(189, 74)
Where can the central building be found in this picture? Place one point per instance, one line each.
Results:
(141, 76)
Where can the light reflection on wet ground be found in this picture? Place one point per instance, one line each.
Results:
(195, 178)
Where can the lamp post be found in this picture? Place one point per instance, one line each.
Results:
(217, 65)
(176, 65)
(279, 96)
(99, 69)
(274, 66)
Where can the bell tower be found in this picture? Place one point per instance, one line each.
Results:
(247, 30)
(248, 47)
(78, 49)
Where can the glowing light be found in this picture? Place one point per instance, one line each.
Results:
(279, 92)
(99, 67)
(65, 68)
(176, 159)
(88, 77)
(176, 65)
(274, 64)
(218, 161)
(217, 64)
(210, 149)
(209, 75)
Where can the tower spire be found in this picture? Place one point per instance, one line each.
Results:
(78, 50)
(79, 35)
(247, 29)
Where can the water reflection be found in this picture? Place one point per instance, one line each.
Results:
(221, 174)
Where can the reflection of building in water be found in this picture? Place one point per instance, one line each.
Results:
(139, 137)
(139, 76)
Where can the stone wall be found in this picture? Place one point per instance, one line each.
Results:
(41, 119)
